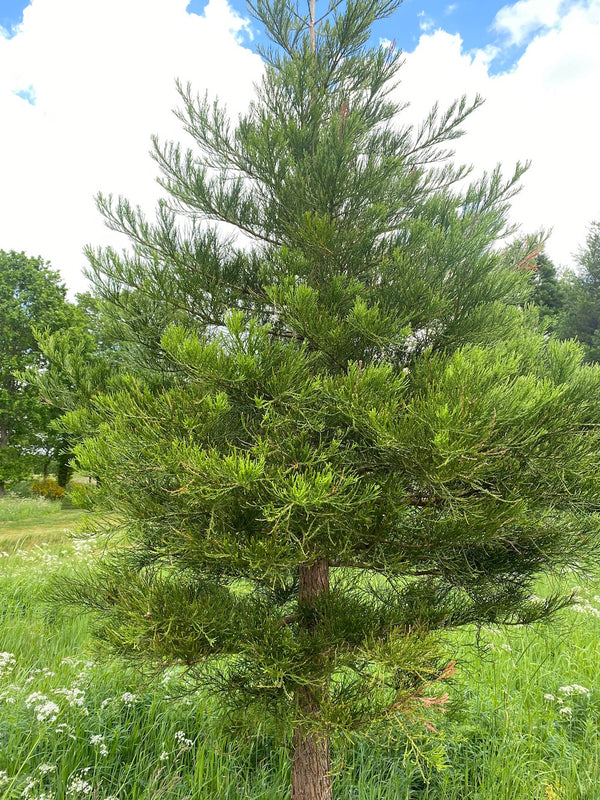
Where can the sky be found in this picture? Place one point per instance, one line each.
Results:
(85, 83)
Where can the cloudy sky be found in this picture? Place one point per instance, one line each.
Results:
(84, 84)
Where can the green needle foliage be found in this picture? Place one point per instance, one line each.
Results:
(350, 435)
(580, 317)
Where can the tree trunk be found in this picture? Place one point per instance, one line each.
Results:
(311, 766)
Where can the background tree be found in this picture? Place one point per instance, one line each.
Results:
(31, 295)
(580, 318)
(354, 439)
(548, 293)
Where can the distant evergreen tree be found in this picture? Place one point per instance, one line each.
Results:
(580, 318)
(548, 292)
(349, 438)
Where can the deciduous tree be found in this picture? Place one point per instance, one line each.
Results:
(31, 295)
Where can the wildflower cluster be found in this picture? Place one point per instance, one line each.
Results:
(79, 786)
(97, 740)
(585, 607)
(7, 663)
(128, 699)
(45, 710)
(572, 690)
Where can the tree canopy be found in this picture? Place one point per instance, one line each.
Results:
(31, 296)
(351, 435)
(580, 317)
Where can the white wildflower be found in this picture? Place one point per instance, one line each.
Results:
(47, 712)
(79, 786)
(575, 688)
(46, 768)
(164, 756)
(585, 607)
(97, 740)
(34, 698)
(29, 787)
(549, 697)
(7, 663)
(4, 778)
(182, 739)
(74, 696)
(63, 728)
(128, 698)
(566, 710)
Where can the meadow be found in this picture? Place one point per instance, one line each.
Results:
(523, 723)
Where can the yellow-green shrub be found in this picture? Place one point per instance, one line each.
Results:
(47, 488)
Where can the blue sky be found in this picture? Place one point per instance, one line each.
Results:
(473, 20)
(85, 83)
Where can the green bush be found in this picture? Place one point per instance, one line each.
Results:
(21, 488)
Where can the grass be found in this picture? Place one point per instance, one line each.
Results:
(25, 522)
(524, 721)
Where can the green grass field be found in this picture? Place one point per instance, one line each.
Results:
(524, 722)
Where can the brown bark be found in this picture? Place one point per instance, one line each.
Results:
(313, 581)
(311, 765)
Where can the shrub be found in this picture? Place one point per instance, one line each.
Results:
(21, 488)
(47, 488)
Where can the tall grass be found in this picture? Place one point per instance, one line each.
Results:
(17, 509)
(524, 720)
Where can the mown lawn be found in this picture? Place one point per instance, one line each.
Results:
(524, 721)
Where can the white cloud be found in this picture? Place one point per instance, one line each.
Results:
(103, 73)
(544, 110)
(426, 23)
(520, 19)
(103, 76)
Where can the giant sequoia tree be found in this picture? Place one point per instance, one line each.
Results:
(350, 437)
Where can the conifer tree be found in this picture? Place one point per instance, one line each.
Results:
(350, 437)
(580, 318)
